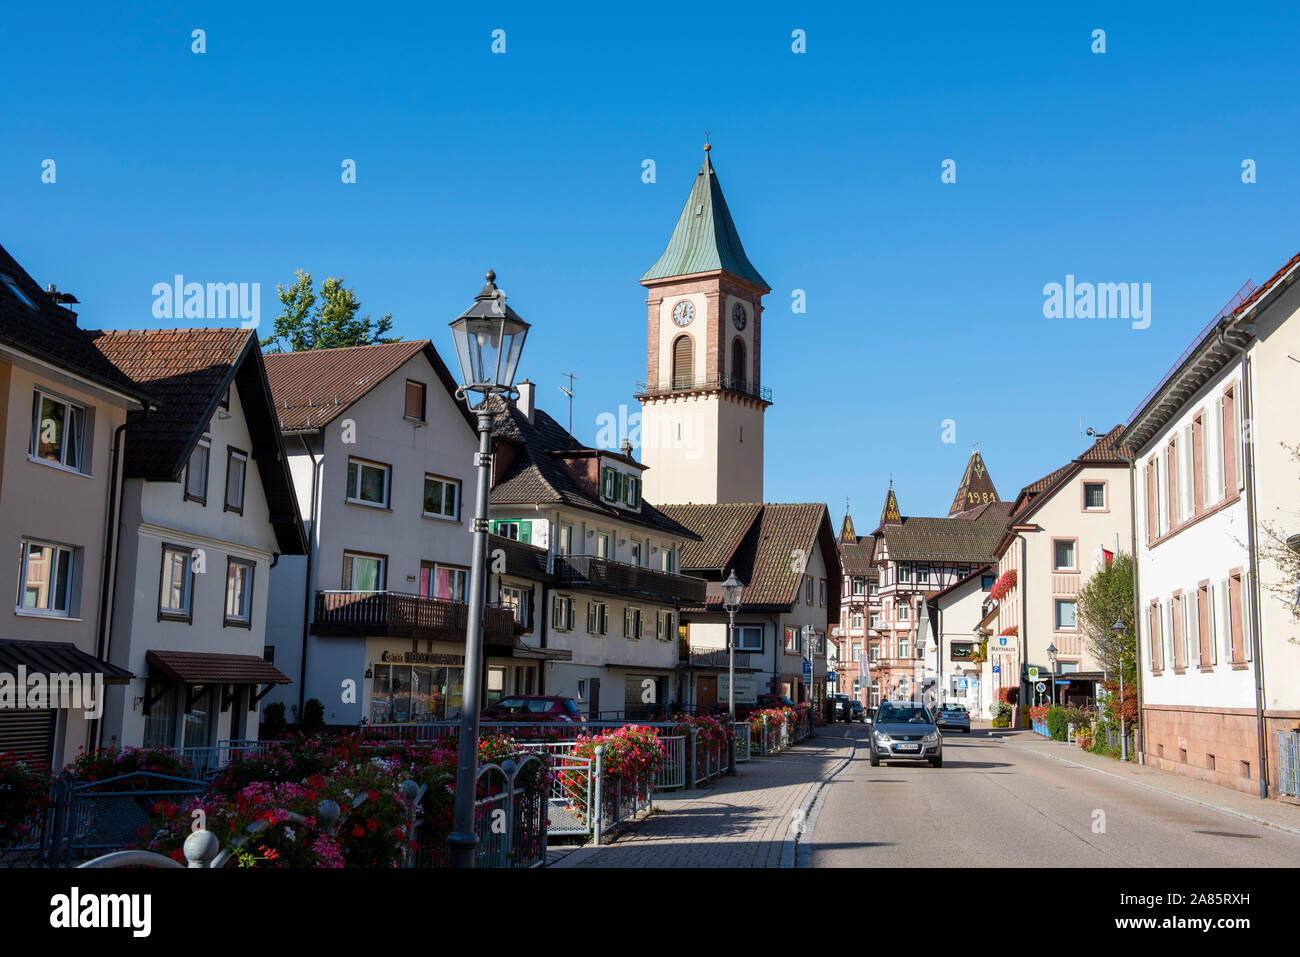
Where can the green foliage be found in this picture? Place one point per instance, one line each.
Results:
(273, 723)
(313, 716)
(1057, 723)
(1106, 595)
(328, 322)
(1002, 712)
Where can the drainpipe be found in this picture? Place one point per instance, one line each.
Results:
(1137, 600)
(1249, 447)
(1022, 586)
(95, 734)
(307, 589)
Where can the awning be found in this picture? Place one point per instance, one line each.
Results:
(205, 668)
(521, 650)
(50, 658)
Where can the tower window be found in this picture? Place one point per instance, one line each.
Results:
(738, 364)
(683, 362)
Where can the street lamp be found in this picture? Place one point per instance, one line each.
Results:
(732, 589)
(975, 632)
(1051, 657)
(489, 337)
(1119, 629)
(809, 650)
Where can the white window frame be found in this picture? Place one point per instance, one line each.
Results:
(1074, 555)
(904, 574)
(184, 611)
(446, 483)
(632, 623)
(743, 635)
(245, 619)
(355, 499)
(1094, 508)
(923, 574)
(70, 585)
(664, 625)
(564, 544)
(1057, 604)
(235, 457)
(68, 406)
(204, 446)
(381, 579)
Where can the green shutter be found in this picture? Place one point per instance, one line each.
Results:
(591, 617)
(525, 532)
(569, 602)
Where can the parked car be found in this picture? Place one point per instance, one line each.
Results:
(953, 716)
(534, 708)
(856, 711)
(764, 702)
(905, 731)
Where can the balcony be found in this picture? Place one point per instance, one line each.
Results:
(627, 581)
(390, 614)
(710, 658)
(685, 384)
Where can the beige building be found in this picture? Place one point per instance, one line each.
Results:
(1062, 529)
(63, 410)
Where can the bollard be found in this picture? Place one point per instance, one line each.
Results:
(596, 801)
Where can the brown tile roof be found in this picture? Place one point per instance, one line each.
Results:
(970, 537)
(536, 476)
(56, 657)
(314, 387)
(1099, 453)
(50, 332)
(184, 372)
(764, 553)
(856, 557)
(202, 667)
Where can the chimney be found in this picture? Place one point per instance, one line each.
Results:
(526, 399)
(626, 447)
(62, 299)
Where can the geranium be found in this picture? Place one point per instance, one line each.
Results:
(24, 794)
(1002, 587)
(106, 763)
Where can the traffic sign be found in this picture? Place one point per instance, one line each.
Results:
(997, 669)
(807, 667)
(830, 676)
(1040, 687)
(1033, 674)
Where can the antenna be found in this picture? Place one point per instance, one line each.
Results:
(569, 392)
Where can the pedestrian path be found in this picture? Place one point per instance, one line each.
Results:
(740, 821)
(1270, 812)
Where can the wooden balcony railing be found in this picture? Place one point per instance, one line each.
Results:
(400, 615)
(601, 574)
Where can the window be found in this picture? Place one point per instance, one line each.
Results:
(1236, 619)
(224, 401)
(517, 600)
(821, 593)
(176, 591)
(683, 362)
(519, 531)
(597, 618)
(632, 623)
(962, 650)
(873, 587)
(902, 646)
(441, 497)
(602, 544)
(668, 560)
(443, 582)
(582, 689)
(986, 582)
(236, 470)
(196, 472)
(1094, 496)
(239, 592)
(58, 432)
(857, 652)
(18, 293)
(562, 613)
(923, 575)
(1063, 555)
(904, 612)
(415, 400)
(636, 553)
(45, 579)
(1213, 458)
(608, 484)
(1066, 614)
(873, 651)
(858, 584)
(873, 620)
(875, 694)
(793, 643)
(368, 483)
(362, 572)
(1155, 643)
(857, 619)
(749, 638)
(565, 544)
(808, 589)
(632, 490)
(1205, 625)
(904, 574)
(664, 626)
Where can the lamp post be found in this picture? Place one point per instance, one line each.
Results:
(1051, 657)
(732, 589)
(1119, 629)
(489, 337)
(979, 683)
(809, 650)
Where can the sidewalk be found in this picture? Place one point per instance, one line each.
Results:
(1270, 812)
(741, 821)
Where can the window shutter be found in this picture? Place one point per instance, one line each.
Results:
(1212, 622)
(568, 608)
(1239, 438)
(1187, 489)
(1223, 606)
(1247, 622)
(525, 532)
(555, 611)
(591, 617)
(347, 573)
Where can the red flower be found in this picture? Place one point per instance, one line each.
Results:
(358, 831)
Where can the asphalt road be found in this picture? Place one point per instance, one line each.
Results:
(994, 805)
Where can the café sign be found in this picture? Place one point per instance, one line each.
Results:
(421, 658)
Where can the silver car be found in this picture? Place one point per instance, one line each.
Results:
(905, 731)
(954, 716)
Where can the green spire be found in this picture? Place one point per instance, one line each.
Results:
(705, 237)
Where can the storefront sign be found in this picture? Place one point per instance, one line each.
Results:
(746, 688)
(421, 658)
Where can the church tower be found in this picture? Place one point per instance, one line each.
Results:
(702, 403)
(976, 487)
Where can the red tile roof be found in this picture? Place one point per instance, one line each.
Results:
(314, 387)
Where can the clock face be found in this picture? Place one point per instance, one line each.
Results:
(683, 313)
(738, 316)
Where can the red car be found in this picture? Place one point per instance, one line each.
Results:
(764, 702)
(528, 707)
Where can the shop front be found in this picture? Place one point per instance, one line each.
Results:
(414, 686)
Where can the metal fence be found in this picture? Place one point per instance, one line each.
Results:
(1288, 762)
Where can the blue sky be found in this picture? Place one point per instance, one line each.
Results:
(925, 299)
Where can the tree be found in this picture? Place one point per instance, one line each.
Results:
(1105, 596)
(1279, 561)
(306, 322)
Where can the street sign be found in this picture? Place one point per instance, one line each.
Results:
(997, 669)
(807, 668)
(961, 683)
(830, 676)
(746, 688)
(1040, 687)
(1062, 681)
(1033, 674)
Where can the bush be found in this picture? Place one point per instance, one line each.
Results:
(1002, 712)
(273, 723)
(24, 792)
(1057, 723)
(108, 763)
(1009, 695)
(313, 717)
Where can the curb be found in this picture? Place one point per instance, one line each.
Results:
(798, 853)
(1181, 797)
